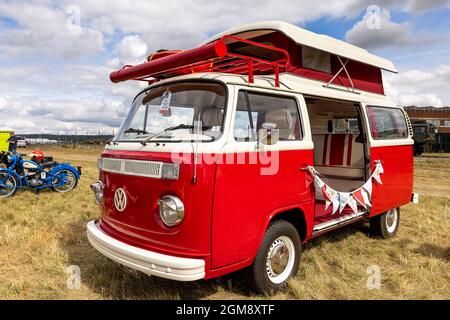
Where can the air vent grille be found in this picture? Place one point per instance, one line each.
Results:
(151, 169)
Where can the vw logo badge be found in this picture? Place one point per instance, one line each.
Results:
(120, 200)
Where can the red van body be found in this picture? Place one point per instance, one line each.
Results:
(221, 214)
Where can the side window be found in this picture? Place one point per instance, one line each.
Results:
(316, 59)
(387, 123)
(243, 129)
(254, 109)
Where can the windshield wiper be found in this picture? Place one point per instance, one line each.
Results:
(180, 126)
(133, 130)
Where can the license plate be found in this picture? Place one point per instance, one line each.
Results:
(130, 271)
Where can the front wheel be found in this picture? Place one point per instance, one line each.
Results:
(385, 225)
(65, 181)
(277, 259)
(8, 185)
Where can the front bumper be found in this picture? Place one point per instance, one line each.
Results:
(148, 262)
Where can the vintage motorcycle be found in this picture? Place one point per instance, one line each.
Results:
(18, 173)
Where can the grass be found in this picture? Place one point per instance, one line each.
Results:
(40, 236)
(436, 155)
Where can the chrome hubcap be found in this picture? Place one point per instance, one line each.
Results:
(280, 259)
(391, 220)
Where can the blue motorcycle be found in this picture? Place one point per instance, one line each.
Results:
(18, 173)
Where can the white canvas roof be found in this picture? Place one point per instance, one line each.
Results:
(311, 39)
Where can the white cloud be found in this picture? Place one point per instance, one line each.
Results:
(421, 6)
(4, 103)
(421, 88)
(55, 72)
(182, 24)
(74, 98)
(412, 6)
(45, 25)
(376, 30)
(43, 29)
(131, 49)
(32, 114)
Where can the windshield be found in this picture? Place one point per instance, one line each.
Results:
(180, 112)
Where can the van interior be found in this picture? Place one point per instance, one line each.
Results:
(340, 148)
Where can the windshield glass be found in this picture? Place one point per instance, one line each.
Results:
(180, 112)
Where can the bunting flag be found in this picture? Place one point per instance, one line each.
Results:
(344, 198)
(358, 195)
(335, 204)
(368, 186)
(352, 203)
(367, 196)
(339, 200)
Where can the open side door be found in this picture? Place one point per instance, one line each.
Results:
(391, 142)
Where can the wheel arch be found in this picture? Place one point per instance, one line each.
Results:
(296, 217)
(295, 214)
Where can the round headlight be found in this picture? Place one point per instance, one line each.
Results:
(97, 188)
(171, 210)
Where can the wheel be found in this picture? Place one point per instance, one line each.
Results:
(385, 225)
(8, 185)
(277, 259)
(69, 179)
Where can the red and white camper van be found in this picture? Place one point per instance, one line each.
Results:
(242, 149)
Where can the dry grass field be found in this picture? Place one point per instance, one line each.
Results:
(40, 236)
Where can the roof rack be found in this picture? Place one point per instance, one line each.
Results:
(226, 55)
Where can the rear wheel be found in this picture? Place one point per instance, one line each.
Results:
(65, 181)
(277, 259)
(8, 185)
(385, 225)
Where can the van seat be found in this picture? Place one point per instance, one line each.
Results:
(339, 155)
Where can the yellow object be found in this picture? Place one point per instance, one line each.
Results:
(4, 136)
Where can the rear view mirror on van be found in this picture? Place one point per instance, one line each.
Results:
(268, 134)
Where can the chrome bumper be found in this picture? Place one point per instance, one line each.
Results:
(148, 262)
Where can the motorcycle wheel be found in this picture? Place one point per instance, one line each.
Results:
(8, 185)
(71, 181)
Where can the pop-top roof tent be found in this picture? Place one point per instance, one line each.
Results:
(270, 48)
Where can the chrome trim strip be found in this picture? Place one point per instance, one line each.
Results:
(334, 223)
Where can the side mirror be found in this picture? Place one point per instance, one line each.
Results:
(268, 134)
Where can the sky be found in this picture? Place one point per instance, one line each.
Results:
(56, 56)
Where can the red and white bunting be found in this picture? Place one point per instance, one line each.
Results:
(339, 200)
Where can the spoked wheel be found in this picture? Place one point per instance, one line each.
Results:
(65, 181)
(385, 225)
(8, 185)
(278, 258)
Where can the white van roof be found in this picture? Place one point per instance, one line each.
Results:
(310, 39)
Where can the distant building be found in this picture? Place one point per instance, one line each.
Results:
(432, 123)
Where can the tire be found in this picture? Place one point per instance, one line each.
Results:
(271, 275)
(72, 186)
(13, 181)
(385, 225)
